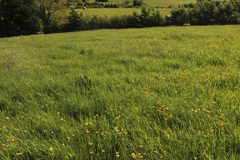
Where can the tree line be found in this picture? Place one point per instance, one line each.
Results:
(97, 4)
(24, 17)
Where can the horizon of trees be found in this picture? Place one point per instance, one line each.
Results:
(24, 17)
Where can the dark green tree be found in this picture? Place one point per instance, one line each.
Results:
(52, 12)
(18, 17)
(179, 16)
(137, 2)
(76, 20)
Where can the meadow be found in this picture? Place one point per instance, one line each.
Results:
(109, 12)
(151, 93)
(160, 3)
(127, 11)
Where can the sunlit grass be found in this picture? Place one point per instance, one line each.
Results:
(153, 93)
(109, 12)
(160, 3)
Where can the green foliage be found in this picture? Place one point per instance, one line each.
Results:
(52, 12)
(137, 2)
(53, 18)
(203, 13)
(98, 22)
(148, 17)
(127, 2)
(68, 4)
(120, 22)
(179, 16)
(18, 17)
(76, 20)
(228, 13)
(208, 12)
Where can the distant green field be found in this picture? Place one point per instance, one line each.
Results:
(121, 11)
(152, 93)
(161, 3)
(166, 3)
(115, 11)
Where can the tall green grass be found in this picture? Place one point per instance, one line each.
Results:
(152, 93)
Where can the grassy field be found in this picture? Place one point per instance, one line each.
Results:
(127, 11)
(160, 3)
(115, 11)
(153, 93)
(165, 3)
